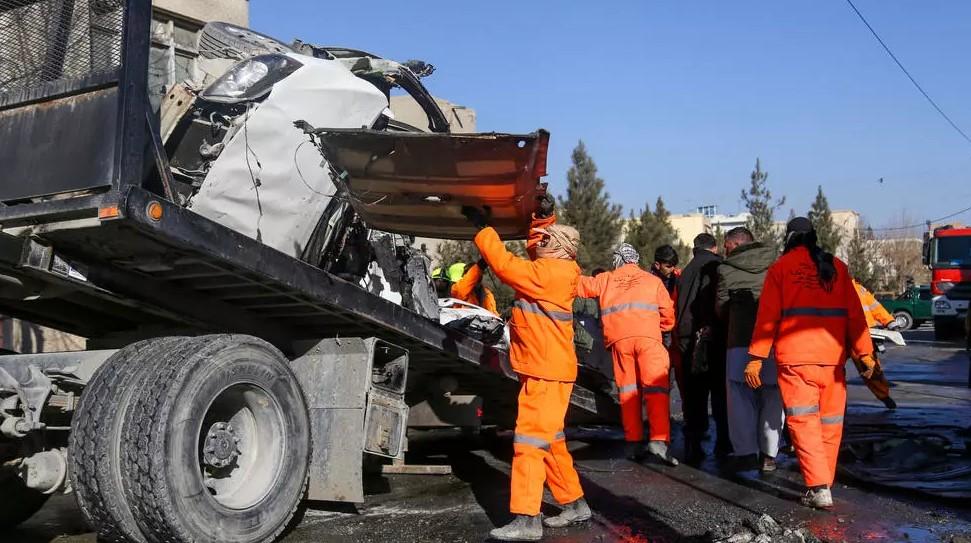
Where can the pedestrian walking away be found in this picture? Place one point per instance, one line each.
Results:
(635, 310)
(755, 416)
(541, 352)
(810, 315)
(700, 338)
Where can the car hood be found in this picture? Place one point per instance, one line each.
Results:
(416, 183)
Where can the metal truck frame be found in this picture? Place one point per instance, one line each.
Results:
(225, 381)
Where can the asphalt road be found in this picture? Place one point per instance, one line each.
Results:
(642, 503)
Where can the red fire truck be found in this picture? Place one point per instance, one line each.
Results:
(947, 252)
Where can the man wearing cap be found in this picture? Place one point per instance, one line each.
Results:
(541, 352)
(635, 308)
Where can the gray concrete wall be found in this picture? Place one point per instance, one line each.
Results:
(231, 11)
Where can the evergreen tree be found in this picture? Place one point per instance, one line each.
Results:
(587, 208)
(758, 200)
(648, 230)
(861, 261)
(827, 232)
(719, 238)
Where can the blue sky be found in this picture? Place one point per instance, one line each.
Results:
(677, 98)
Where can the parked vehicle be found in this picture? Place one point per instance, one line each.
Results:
(911, 308)
(236, 364)
(947, 252)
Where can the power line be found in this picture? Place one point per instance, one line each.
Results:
(912, 80)
(923, 224)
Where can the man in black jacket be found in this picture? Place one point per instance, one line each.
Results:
(701, 340)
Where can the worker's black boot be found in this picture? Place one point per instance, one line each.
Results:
(635, 451)
(888, 401)
(522, 528)
(573, 513)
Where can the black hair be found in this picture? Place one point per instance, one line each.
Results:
(740, 234)
(822, 259)
(665, 254)
(705, 240)
(598, 271)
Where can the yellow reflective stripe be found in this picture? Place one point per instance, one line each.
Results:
(535, 308)
(802, 410)
(531, 441)
(626, 389)
(627, 307)
(559, 436)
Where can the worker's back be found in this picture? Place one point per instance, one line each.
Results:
(633, 303)
(809, 324)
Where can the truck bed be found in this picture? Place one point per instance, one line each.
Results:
(104, 269)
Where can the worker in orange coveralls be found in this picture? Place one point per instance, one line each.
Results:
(470, 289)
(541, 353)
(635, 309)
(810, 314)
(876, 315)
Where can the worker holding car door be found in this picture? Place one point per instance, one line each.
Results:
(541, 353)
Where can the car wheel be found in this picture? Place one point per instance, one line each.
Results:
(218, 444)
(904, 320)
(945, 329)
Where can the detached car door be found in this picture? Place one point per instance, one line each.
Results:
(416, 183)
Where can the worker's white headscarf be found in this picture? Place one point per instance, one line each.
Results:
(625, 254)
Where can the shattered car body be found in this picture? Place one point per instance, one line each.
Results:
(238, 159)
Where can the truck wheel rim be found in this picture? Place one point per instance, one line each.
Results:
(242, 441)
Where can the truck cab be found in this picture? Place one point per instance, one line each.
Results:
(947, 252)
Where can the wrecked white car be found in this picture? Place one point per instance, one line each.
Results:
(238, 158)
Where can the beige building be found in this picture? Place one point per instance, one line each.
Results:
(175, 36)
(461, 119)
(708, 220)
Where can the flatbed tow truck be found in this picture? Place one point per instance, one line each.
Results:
(225, 381)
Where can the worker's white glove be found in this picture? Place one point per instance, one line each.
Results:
(893, 326)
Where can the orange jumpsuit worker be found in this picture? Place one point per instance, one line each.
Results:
(541, 353)
(810, 314)
(876, 314)
(635, 309)
(470, 289)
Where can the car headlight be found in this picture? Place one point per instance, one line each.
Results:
(251, 78)
(942, 304)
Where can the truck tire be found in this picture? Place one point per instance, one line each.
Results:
(218, 445)
(904, 320)
(17, 502)
(94, 445)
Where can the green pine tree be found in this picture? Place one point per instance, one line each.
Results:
(587, 208)
(648, 230)
(758, 200)
(827, 232)
(861, 261)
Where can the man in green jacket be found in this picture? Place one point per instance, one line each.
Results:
(755, 416)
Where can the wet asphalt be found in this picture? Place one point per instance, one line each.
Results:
(640, 503)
